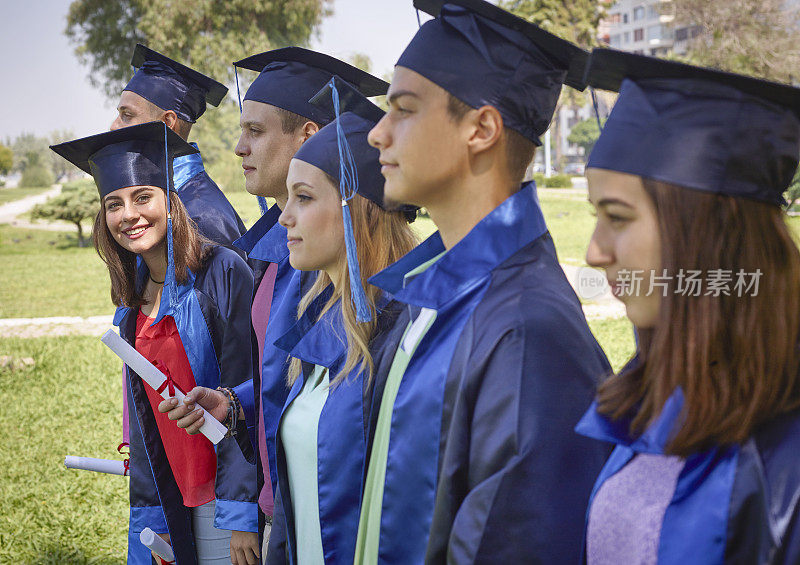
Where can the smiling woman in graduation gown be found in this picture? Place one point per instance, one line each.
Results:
(200, 334)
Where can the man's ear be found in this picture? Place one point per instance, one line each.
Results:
(171, 119)
(487, 128)
(309, 129)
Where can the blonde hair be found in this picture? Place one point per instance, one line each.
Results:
(381, 239)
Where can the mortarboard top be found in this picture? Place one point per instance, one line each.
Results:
(173, 86)
(484, 55)
(350, 100)
(695, 127)
(568, 55)
(607, 68)
(290, 76)
(131, 156)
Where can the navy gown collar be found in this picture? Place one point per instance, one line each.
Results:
(186, 167)
(266, 240)
(653, 440)
(321, 342)
(515, 223)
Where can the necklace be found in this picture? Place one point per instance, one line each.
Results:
(154, 280)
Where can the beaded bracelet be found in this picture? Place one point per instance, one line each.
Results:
(232, 418)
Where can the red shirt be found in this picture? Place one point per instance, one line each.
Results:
(192, 458)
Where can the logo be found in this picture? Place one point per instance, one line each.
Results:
(590, 283)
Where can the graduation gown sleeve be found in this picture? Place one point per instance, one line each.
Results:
(231, 285)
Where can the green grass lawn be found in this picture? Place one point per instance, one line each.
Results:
(68, 404)
(11, 194)
(45, 274)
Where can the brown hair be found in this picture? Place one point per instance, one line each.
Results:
(189, 247)
(735, 358)
(291, 122)
(519, 149)
(381, 239)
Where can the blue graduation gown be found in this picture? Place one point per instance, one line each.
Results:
(735, 504)
(204, 201)
(341, 434)
(212, 316)
(265, 243)
(483, 463)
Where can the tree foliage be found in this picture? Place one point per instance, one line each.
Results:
(585, 134)
(37, 171)
(574, 20)
(27, 144)
(6, 159)
(206, 35)
(77, 202)
(753, 37)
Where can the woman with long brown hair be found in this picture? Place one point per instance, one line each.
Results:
(687, 180)
(338, 230)
(184, 304)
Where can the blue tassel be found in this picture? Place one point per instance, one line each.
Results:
(262, 203)
(238, 94)
(348, 187)
(169, 281)
(357, 293)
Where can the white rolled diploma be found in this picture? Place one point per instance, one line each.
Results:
(157, 545)
(98, 465)
(211, 428)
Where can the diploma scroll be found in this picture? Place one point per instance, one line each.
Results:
(211, 428)
(98, 465)
(157, 545)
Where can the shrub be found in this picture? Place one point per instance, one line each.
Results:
(558, 181)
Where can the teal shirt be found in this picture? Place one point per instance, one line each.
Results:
(299, 438)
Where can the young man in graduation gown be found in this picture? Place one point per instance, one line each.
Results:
(164, 90)
(473, 456)
(277, 118)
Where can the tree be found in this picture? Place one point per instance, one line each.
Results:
(61, 167)
(37, 171)
(585, 134)
(752, 37)
(27, 144)
(573, 20)
(77, 202)
(204, 34)
(6, 159)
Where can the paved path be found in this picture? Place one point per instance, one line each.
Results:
(10, 211)
(56, 326)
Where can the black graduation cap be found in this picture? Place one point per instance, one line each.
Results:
(695, 127)
(131, 156)
(484, 55)
(290, 76)
(173, 86)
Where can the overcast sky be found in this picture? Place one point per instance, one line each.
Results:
(44, 87)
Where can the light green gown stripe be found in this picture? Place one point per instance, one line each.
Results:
(299, 427)
(369, 523)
